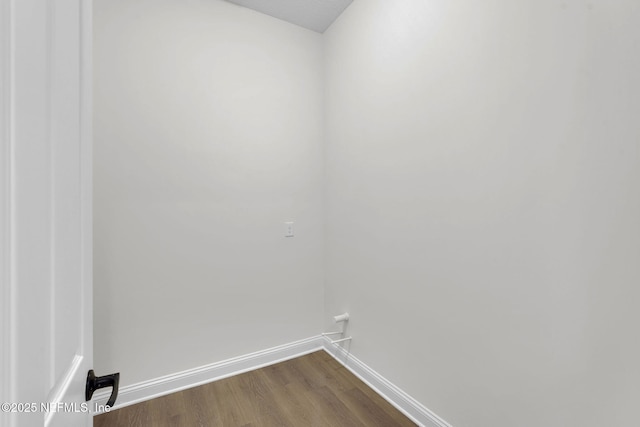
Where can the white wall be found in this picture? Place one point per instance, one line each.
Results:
(208, 136)
(483, 196)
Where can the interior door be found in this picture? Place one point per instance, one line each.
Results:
(46, 216)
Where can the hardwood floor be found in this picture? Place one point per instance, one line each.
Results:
(312, 390)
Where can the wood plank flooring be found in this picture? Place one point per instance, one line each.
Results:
(312, 390)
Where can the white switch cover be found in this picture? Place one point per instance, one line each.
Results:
(288, 229)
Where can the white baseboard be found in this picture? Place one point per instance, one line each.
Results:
(406, 404)
(147, 390)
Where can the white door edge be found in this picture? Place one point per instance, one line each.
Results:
(24, 47)
(62, 387)
(5, 217)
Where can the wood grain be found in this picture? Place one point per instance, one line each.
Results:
(312, 390)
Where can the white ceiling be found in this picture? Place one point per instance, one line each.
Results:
(316, 15)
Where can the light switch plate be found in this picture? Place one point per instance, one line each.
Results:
(288, 229)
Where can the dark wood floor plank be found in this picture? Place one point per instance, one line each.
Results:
(233, 406)
(373, 412)
(262, 397)
(378, 401)
(169, 411)
(312, 390)
(312, 413)
(199, 410)
(299, 407)
(332, 409)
